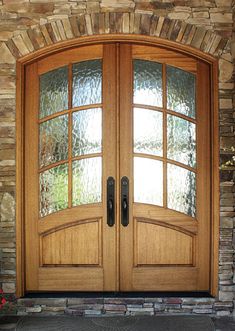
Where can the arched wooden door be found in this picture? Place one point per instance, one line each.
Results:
(117, 170)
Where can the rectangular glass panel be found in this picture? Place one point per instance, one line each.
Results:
(53, 92)
(148, 181)
(53, 140)
(147, 83)
(87, 131)
(87, 83)
(87, 177)
(148, 131)
(181, 140)
(181, 91)
(53, 190)
(181, 189)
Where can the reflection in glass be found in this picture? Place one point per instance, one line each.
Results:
(53, 140)
(181, 91)
(181, 188)
(87, 135)
(181, 140)
(87, 82)
(53, 190)
(53, 91)
(147, 83)
(148, 181)
(87, 175)
(147, 131)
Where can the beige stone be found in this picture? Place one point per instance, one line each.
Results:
(226, 103)
(7, 208)
(224, 3)
(67, 28)
(61, 30)
(221, 18)
(201, 14)
(18, 40)
(9, 288)
(5, 54)
(179, 15)
(225, 70)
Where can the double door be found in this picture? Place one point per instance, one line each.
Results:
(117, 170)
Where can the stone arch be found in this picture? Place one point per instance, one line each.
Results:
(43, 35)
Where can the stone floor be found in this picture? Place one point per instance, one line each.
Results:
(137, 323)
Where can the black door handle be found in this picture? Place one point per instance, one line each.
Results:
(110, 201)
(125, 201)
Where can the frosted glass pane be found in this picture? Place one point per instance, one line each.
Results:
(53, 91)
(181, 187)
(148, 181)
(87, 82)
(53, 140)
(53, 190)
(181, 91)
(181, 140)
(148, 83)
(87, 131)
(87, 175)
(148, 131)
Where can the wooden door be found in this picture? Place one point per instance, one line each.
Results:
(165, 153)
(140, 116)
(70, 151)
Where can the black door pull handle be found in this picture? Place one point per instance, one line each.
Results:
(110, 201)
(125, 201)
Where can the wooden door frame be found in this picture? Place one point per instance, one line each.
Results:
(214, 129)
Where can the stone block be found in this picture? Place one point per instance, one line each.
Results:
(34, 309)
(226, 296)
(221, 18)
(6, 55)
(9, 287)
(225, 70)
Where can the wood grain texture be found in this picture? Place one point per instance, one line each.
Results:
(159, 245)
(74, 245)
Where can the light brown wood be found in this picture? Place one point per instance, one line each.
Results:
(74, 245)
(106, 276)
(160, 245)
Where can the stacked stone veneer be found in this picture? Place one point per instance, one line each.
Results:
(29, 25)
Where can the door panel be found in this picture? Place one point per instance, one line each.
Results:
(138, 115)
(68, 243)
(166, 244)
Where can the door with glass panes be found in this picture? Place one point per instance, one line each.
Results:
(117, 170)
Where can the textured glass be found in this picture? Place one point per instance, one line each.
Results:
(53, 190)
(53, 91)
(87, 131)
(87, 175)
(53, 140)
(148, 181)
(181, 140)
(181, 91)
(87, 82)
(147, 131)
(181, 188)
(148, 83)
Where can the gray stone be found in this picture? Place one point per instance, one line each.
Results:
(7, 208)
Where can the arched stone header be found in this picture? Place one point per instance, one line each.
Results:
(40, 36)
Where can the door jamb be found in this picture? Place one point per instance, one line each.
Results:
(152, 41)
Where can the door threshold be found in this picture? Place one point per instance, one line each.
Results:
(117, 294)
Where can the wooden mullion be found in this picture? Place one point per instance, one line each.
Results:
(70, 123)
(164, 123)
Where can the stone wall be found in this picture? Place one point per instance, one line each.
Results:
(27, 25)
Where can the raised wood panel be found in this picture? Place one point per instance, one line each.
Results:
(75, 245)
(165, 56)
(159, 245)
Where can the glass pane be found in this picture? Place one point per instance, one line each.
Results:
(87, 131)
(87, 181)
(181, 187)
(181, 91)
(181, 140)
(148, 181)
(53, 91)
(148, 83)
(53, 190)
(87, 82)
(53, 140)
(147, 131)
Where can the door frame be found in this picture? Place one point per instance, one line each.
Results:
(20, 115)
